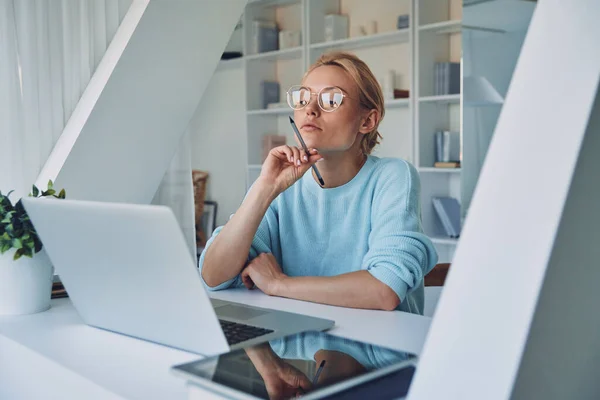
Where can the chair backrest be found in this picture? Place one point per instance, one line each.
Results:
(437, 276)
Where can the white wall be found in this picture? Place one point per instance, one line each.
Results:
(218, 131)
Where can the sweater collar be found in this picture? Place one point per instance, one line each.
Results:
(312, 185)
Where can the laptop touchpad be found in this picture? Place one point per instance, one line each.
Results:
(237, 312)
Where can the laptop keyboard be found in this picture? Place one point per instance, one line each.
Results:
(236, 333)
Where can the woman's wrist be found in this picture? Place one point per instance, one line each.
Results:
(280, 286)
(267, 188)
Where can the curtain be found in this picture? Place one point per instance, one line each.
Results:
(49, 49)
(177, 192)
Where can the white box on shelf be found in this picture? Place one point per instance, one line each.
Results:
(336, 27)
(289, 39)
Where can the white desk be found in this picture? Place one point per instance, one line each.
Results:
(54, 355)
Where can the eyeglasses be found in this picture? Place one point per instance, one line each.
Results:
(329, 98)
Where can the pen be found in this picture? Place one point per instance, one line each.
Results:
(321, 181)
(316, 378)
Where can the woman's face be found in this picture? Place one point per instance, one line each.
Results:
(333, 131)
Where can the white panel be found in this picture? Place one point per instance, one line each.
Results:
(478, 335)
(562, 357)
(125, 130)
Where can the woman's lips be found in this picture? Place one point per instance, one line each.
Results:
(310, 128)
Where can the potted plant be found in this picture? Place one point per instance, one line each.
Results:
(25, 270)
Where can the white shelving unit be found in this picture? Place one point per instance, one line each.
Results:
(409, 124)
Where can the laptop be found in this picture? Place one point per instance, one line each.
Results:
(127, 269)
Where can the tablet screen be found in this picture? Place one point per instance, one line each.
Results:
(298, 365)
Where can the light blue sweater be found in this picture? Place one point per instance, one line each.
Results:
(371, 223)
(304, 346)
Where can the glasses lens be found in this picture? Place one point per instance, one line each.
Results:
(331, 98)
(298, 97)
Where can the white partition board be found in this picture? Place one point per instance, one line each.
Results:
(518, 317)
(126, 128)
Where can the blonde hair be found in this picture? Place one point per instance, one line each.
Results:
(370, 94)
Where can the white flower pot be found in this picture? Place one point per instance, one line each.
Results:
(25, 284)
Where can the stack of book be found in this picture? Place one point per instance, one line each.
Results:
(448, 211)
(264, 36)
(58, 290)
(447, 149)
(447, 78)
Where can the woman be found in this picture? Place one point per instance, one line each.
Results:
(355, 242)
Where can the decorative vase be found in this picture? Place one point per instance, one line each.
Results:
(25, 284)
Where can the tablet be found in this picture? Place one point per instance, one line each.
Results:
(311, 365)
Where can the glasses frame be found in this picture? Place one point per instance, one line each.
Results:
(318, 94)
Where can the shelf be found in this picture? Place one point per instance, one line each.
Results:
(439, 170)
(444, 240)
(449, 98)
(397, 103)
(380, 39)
(271, 111)
(287, 54)
(272, 3)
(443, 28)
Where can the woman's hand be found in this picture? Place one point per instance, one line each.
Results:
(263, 272)
(285, 165)
(282, 380)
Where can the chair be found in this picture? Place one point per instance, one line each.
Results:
(434, 282)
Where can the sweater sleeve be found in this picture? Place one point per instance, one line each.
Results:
(265, 241)
(399, 254)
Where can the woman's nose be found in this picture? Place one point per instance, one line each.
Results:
(312, 108)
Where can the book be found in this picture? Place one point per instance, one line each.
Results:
(442, 217)
(58, 290)
(446, 78)
(264, 37)
(448, 211)
(269, 93)
(447, 164)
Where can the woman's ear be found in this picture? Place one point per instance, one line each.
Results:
(369, 121)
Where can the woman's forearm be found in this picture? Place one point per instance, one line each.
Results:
(227, 254)
(355, 289)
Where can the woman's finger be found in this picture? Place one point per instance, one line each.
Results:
(297, 156)
(303, 156)
(247, 280)
(286, 151)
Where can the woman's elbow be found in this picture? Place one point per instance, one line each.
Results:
(210, 282)
(209, 278)
(389, 300)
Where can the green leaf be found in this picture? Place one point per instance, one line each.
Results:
(28, 252)
(18, 254)
(37, 244)
(4, 248)
(62, 194)
(17, 244)
(50, 184)
(35, 191)
(48, 192)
